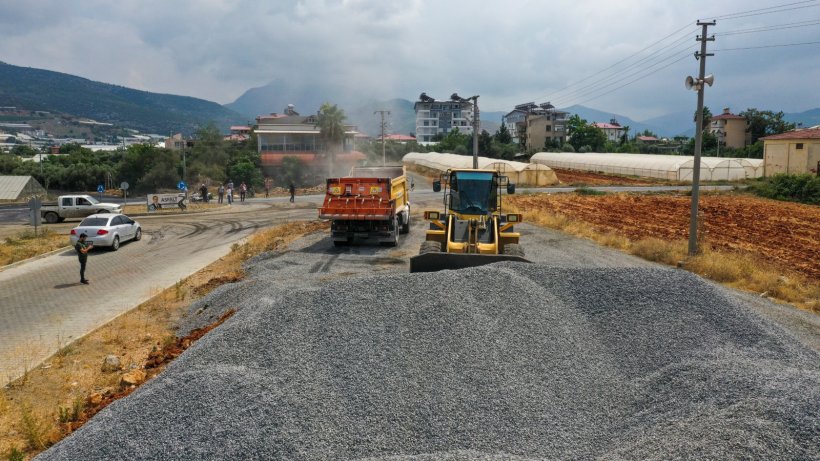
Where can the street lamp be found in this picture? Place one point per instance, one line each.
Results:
(456, 97)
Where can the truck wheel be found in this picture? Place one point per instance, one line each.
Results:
(405, 228)
(116, 244)
(396, 229)
(513, 249)
(51, 217)
(430, 247)
(341, 243)
(102, 211)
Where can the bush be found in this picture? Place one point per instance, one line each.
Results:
(804, 188)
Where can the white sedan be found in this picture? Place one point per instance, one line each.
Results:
(107, 230)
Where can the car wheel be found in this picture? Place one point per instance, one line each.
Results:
(138, 235)
(52, 217)
(116, 244)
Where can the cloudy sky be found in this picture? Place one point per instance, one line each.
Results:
(627, 56)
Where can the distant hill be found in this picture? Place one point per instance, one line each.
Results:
(674, 124)
(595, 115)
(38, 89)
(808, 118)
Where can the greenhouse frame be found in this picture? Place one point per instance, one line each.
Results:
(519, 173)
(668, 167)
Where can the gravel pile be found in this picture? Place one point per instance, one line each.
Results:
(502, 362)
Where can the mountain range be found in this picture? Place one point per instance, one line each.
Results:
(37, 89)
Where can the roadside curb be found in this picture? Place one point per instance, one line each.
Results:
(34, 258)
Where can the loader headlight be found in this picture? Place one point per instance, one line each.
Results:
(514, 217)
(431, 215)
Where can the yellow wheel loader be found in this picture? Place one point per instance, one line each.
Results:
(471, 231)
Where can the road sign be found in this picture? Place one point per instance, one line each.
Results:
(182, 185)
(34, 204)
(100, 188)
(124, 185)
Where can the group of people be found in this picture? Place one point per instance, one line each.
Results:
(225, 191)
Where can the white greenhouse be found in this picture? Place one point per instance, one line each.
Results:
(522, 174)
(669, 167)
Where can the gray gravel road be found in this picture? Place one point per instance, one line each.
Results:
(589, 354)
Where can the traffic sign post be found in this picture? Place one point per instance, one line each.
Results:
(124, 186)
(34, 205)
(100, 190)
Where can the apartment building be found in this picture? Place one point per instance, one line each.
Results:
(538, 124)
(730, 129)
(434, 117)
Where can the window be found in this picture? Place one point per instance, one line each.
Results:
(82, 201)
(799, 146)
(426, 123)
(94, 222)
(67, 201)
(549, 128)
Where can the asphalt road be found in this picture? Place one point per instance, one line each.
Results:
(44, 307)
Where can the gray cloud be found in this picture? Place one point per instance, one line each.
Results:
(509, 52)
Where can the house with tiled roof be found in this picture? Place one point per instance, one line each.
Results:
(613, 130)
(730, 129)
(792, 152)
(293, 135)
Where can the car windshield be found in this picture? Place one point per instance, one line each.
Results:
(472, 192)
(92, 200)
(94, 222)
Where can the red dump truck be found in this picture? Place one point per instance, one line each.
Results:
(372, 204)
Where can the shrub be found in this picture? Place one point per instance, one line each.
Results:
(588, 191)
(804, 188)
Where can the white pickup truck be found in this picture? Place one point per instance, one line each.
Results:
(75, 206)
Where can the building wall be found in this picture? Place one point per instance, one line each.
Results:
(541, 127)
(734, 132)
(791, 156)
(440, 117)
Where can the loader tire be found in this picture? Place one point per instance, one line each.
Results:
(513, 249)
(430, 247)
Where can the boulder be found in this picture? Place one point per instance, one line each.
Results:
(132, 378)
(111, 363)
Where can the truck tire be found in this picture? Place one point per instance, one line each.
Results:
(405, 228)
(341, 243)
(102, 211)
(52, 218)
(513, 249)
(430, 247)
(395, 229)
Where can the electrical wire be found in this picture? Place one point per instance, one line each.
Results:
(774, 9)
(767, 46)
(792, 25)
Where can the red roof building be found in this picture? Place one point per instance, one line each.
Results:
(730, 129)
(792, 152)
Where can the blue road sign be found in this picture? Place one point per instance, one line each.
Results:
(182, 185)
(100, 189)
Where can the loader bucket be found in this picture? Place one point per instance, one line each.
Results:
(432, 262)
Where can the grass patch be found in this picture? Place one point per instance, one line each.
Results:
(28, 245)
(584, 190)
(52, 400)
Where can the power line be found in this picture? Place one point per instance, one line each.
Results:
(768, 46)
(689, 25)
(769, 10)
(792, 25)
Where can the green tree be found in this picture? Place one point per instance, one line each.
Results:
(503, 136)
(485, 144)
(584, 135)
(332, 131)
(707, 117)
(292, 171)
(761, 123)
(208, 158)
(24, 151)
(456, 142)
(625, 137)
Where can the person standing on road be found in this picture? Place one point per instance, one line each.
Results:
(268, 184)
(82, 253)
(292, 191)
(243, 189)
(229, 192)
(221, 192)
(203, 193)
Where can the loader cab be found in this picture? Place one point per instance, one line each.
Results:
(472, 192)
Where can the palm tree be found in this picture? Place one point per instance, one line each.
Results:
(331, 130)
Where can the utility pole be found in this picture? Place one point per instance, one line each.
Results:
(383, 126)
(693, 216)
(475, 131)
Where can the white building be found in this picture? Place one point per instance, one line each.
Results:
(613, 130)
(435, 117)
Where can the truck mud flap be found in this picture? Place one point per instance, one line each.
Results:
(432, 262)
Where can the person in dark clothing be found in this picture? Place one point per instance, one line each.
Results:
(82, 252)
(203, 193)
(292, 190)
